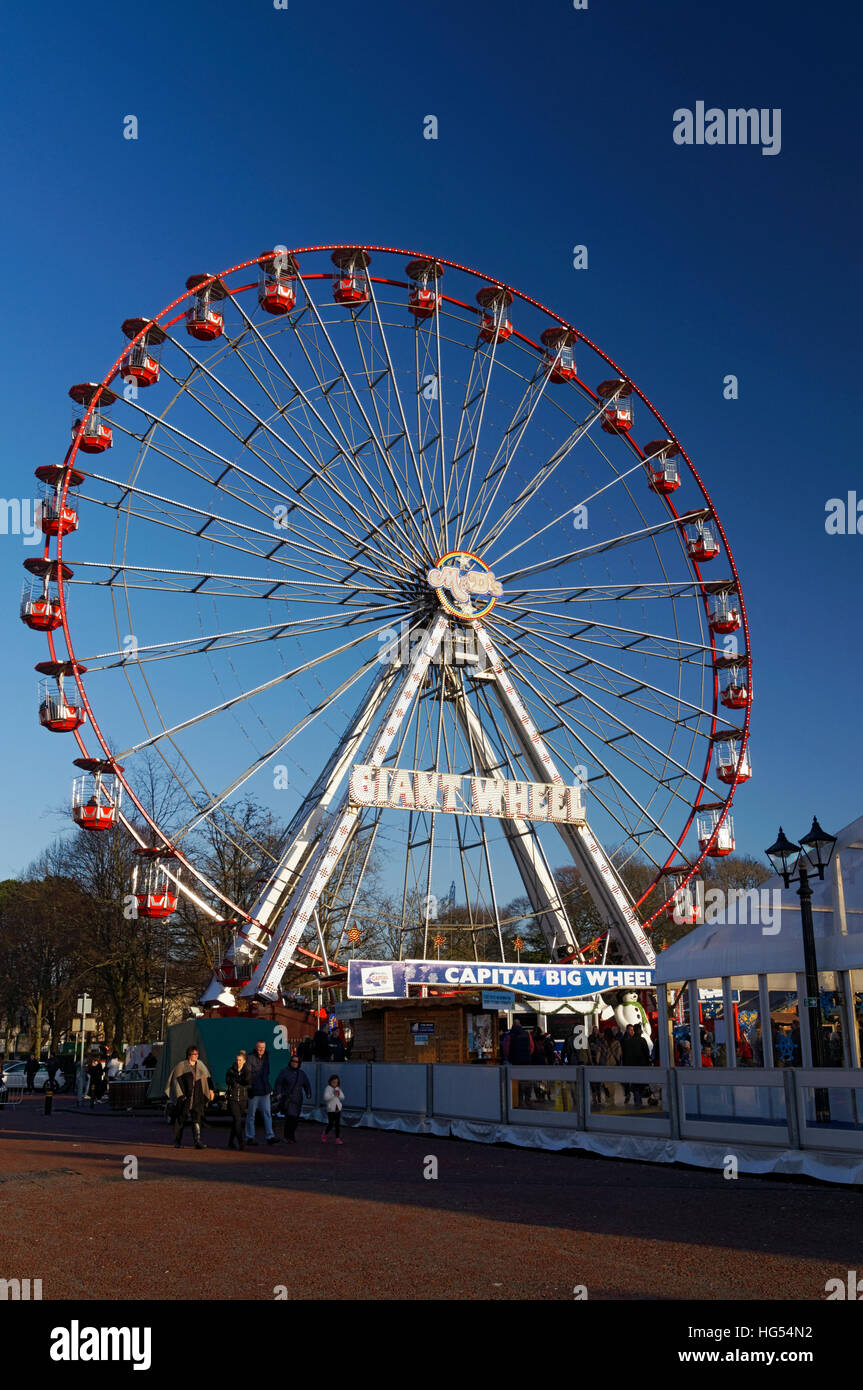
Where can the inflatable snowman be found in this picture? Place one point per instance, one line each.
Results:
(630, 1010)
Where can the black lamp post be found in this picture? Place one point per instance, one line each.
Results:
(795, 863)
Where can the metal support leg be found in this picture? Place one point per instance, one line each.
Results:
(298, 909)
(608, 892)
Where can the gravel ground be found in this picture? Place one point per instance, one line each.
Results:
(362, 1221)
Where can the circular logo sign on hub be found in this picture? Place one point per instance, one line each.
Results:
(465, 586)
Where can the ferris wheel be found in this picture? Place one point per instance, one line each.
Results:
(387, 543)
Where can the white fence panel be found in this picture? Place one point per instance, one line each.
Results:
(467, 1092)
(399, 1086)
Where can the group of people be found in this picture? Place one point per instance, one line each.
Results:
(325, 1047)
(249, 1091)
(786, 1041)
(523, 1047)
(603, 1047)
(53, 1067)
(99, 1071)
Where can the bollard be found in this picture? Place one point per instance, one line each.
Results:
(49, 1100)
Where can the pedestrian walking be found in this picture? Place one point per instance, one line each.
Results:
(30, 1069)
(594, 1048)
(518, 1045)
(333, 1100)
(634, 1052)
(306, 1050)
(576, 1051)
(259, 1094)
(291, 1085)
(52, 1066)
(321, 1045)
(610, 1056)
(189, 1088)
(237, 1082)
(98, 1081)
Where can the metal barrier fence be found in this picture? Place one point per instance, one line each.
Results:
(789, 1108)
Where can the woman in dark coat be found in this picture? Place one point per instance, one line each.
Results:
(291, 1085)
(237, 1080)
(189, 1088)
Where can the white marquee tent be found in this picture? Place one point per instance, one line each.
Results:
(764, 941)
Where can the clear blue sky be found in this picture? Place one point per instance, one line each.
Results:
(260, 126)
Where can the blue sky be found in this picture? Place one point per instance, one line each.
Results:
(259, 126)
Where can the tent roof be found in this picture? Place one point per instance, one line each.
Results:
(732, 947)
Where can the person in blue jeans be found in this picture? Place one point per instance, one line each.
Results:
(259, 1093)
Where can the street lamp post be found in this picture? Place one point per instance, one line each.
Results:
(795, 863)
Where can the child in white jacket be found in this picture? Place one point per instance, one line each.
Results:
(333, 1100)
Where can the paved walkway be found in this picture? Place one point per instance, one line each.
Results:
(362, 1221)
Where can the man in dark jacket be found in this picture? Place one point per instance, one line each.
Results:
(259, 1093)
(518, 1046)
(322, 1045)
(291, 1085)
(30, 1070)
(634, 1052)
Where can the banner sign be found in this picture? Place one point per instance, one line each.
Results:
(397, 789)
(497, 999)
(347, 1010)
(389, 979)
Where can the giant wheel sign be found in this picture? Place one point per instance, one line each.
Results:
(344, 507)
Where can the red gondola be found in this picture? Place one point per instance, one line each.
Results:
(424, 297)
(725, 614)
(350, 286)
(141, 362)
(96, 795)
(560, 353)
(277, 289)
(56, 713)
(617, 416)
(96, 435)
(40, 602)
(705, 826)
(683, 909)
(495, 323)
(730, 766)
(58, 519)
(155, 892)
(237, 964)
(735, 693)
(701, 543)
(203, 321)
(662, 472)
